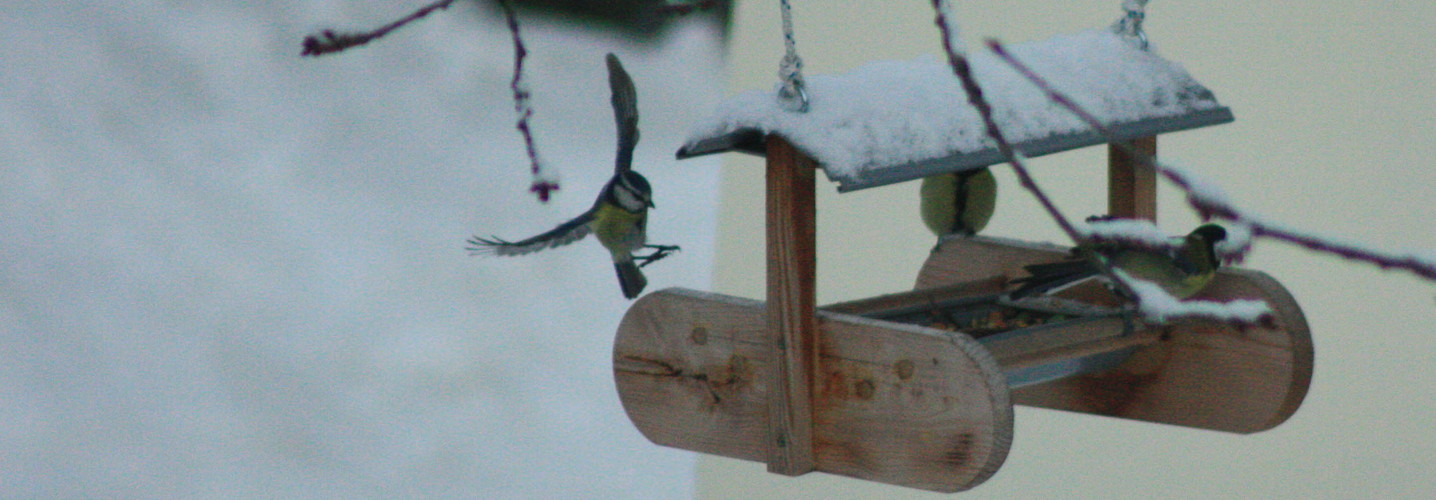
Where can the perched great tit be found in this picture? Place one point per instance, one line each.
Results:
(958, 203)
(1181, 271)
(619, 216)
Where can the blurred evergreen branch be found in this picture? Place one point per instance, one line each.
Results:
(642, 20)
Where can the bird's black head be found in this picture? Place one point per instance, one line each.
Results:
(631, 191)
(1210, 235)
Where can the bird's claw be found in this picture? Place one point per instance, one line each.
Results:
(659, 252)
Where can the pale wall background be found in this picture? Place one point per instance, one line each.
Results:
(1334, 111)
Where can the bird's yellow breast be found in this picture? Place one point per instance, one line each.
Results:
(1160, 270)
(939, 202)
(961, 203)
(619, 230)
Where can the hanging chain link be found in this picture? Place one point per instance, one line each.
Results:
(793, 93)
(1130, 25)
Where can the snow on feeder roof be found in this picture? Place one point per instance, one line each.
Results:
(894, 121)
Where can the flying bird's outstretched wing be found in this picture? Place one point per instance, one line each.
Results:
(564, 234)
(625, 113)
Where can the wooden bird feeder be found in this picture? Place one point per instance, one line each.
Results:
(916, 388)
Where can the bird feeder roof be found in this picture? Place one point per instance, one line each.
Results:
(893, 121)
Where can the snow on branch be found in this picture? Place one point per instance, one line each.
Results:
(1211, 202)
(1156, 305)
(1153, 303)
(1144, 235)
(1126, 232)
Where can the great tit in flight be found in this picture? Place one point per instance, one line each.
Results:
(619, 216)
(1181, 271)
(958, 203)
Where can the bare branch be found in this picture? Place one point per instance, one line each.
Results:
(1159, 306)
(329, 42)
(541, 185)
(974, 96)
(1210, 203)
(1152, 302)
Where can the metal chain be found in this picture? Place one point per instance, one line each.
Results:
(793, 93)
(1130, 25)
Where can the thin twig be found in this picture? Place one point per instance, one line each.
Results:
(1212, 206)
(963, 70)
(540, 185)
(1153, 302)
(1416, 265)
(329, 42)
(974, 96)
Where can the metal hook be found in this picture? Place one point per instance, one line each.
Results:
(787, 96)
(1131, 25)
(1136, 17)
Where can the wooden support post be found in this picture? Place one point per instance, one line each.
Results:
(1132, 186)
(792, 326)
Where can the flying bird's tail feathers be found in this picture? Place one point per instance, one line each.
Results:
(630, 278)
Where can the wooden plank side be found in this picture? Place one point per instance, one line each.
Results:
(1203, 374)
(792, 261)
(964, 259)
(890, 301)
(893, 403)
(908, 405)
(1197, 373)
(688, 366)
